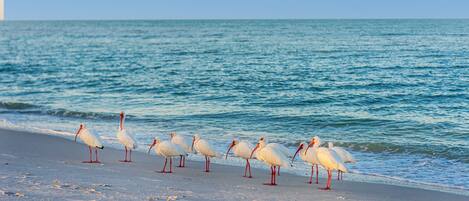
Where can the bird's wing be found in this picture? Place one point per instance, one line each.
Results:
(181, 141)
(206, 149)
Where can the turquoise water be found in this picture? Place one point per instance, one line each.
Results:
(394, 92)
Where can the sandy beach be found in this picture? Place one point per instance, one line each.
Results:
(43, 167)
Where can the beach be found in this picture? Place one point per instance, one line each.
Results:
(37, 166)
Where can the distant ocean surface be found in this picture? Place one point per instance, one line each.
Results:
(393, 92)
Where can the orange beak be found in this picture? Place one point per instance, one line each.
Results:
(231, 146)
(298, 150)
(310, 145)
(78, 132)
(254, 150)
(151, 146)
(192, 147)
(121, 121)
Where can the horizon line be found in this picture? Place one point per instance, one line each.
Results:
(176, 19)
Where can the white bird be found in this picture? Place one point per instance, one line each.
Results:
(272, 157)
(327, 159)
(203, 147)
(167, 150)
(279, 147)
(91, 140)
(344, 155)
(183, 143)
(242, 149)
(125, 138)
(308, 157)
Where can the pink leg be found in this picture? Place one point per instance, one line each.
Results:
(96, 153)
(278, 171)
(312, 173)
(329, 180)
(246, 168)
(184, 161)
(91, 156)
(317, 173)
(130, 154)
(180, 161)
(171, 165)
(208, 164)
(164, 167)
(125, 159)
(249, 166)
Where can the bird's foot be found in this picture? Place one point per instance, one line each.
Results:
(180, 166)
(125, 161)
(207, 170)
(308, 182)
(326, 188)
(96, 162)
(247, 176)
(269, 184)
(162, 171)
(87, 161)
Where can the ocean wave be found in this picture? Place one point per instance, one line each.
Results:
(16, 105)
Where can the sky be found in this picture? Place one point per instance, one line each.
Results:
(233, 9)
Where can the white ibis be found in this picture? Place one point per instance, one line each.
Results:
(344, 155)
(270, 156)
(279, 147)
(182, 142)
(167, 150)
(327, 159)
(242, 149)
(203, 147)
(125, 138)
(91, 140)
(308, 157)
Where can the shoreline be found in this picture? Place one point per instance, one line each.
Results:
(38, 166)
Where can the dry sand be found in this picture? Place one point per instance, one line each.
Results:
(43, 167)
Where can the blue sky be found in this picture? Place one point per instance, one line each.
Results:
(233, 9)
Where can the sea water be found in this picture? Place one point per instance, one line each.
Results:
(395, 93)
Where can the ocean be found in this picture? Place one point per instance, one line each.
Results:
(393, 92)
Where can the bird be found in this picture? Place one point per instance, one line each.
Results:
(125, 139)
(344, 155)
(182, 142)
(242, 149)
(310, 158)
(279, 147)
(203, 147)
(328, 159)
(167, 150)
(270, 156)
(91, 140)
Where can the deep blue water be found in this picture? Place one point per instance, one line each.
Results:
(394, 92)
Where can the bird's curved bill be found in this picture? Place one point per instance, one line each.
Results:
(309, 145)
(298, 150)
(254, 150)
(192, 146)
(231, 146)
(151, 146)
(78, 132)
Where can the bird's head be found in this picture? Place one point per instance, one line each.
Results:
(156, 140)
(82, 126)
(314, 141)
(172, 134)
(232, 144)
(300, 147)
(254, 150)
(194, 138)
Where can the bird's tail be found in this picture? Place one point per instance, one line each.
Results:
(342, 167)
